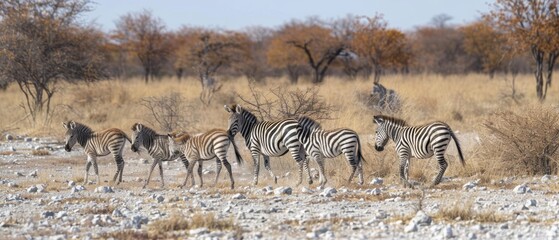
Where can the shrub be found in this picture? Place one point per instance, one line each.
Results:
(522, 141)
(167, 112)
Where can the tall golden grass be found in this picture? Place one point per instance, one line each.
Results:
(463, 101)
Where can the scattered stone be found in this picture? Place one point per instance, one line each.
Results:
(447, 232)
(160, 198)
(77, 188)
(12, 148)
(238, 196)
(12, 185)
(61, 214)
(71, 183)
(117, 213)
(472, 236)
(504, 226)
(470, 185)
(199, 204)
(14, 197)
(421, 219)
(374, 191)
(521, 189)
(28, 139)
(139, 220)
(36, 139)
(553, 203)
(546, 178)
(32, 189)
(41, 188)
(144, 161)
(104, 189)
(47, 214)
(33, 174)
(328, 192)
(198, 231)
(411, 227)
(9, 137)
(307, 190)
(377, 181)
(530, 203)
(18, 174)
(283, 191)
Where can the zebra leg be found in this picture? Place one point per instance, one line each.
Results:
(199, 174)
(320, 162)
(269, 168)
(352, 163)
(185, 163)
(404, 165)
(256, 161)
(360, 169)
(228, 167)
(161, 174)
(303, 156)
(120, 168)
(217, 170)
(155, 161)
(442, 168)
(96, 169)
(189, 173)
(87, 166)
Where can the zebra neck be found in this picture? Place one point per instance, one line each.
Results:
(394, 132)
(246, 129)
(147, 141)
(84, 137)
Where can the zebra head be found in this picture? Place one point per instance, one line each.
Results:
(137, 135)
(381, 137)
(235, 119)
(174, 144)
(70, 136)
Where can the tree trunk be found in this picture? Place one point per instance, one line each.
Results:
(146, 76)
(377, 73)
(552, 58)
(293, 73)
(539, 57)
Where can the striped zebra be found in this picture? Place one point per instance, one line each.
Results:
(97, 144)
(157, 146)
(320, 144)
(267, 138)
(416, 141)
(204, 147)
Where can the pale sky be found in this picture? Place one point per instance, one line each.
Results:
(238, 14)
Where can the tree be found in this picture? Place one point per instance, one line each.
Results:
(144, 35)
(251, 54)
(317, 41)
(41, 43)
(534, 26)
(282, 55)
(487, 45)
(381, 47)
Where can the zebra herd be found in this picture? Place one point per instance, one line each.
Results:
(303, 137)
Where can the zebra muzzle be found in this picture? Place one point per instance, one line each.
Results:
(379, 148)
(134, 148)
(67, 148)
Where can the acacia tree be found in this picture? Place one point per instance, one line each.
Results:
(534, 26)
(282, 55)
(41, 43)
(317, 41)
(144, 35)
(381, 47)
(486, 44)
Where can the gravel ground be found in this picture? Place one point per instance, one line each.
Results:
(43, 197)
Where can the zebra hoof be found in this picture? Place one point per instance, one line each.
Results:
(144, 187)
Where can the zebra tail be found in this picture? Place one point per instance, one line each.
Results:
(361, 158)
(458, 148)
(237, 154)
(127, 138)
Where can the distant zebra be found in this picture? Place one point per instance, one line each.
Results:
(416, 141)
(97, 144)
(157, 146)
(320, 143)
(267, 138)
(203, 147)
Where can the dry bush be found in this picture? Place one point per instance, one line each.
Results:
(167, 112)
(40, 152)
(522, 141)
(99, 209)
(129, 235)
(281, 102)
(179, 222)
(464, 212)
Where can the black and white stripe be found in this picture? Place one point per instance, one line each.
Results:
(267, 138)
(416, 141)
(320, 144)
(204, 147)
(157, 146)
(102, 143)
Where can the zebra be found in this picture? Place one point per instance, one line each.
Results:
(267, 138)
(97, 144)
(157, 146)
(320, 143)
(418, 141)
(203, 147)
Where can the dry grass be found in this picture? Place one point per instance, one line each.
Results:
(464, 212)
(167, 226)
(311, 222)
(40, 152)
(463, 101)
(99, 209)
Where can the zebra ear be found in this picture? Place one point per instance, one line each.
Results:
(378, 119)
(64, 125)
(238, 108)
(228, 109)
(72, 124)
(139, 126)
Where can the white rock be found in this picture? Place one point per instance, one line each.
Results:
(61, 214)
(520, 189)
(12, 184)
(117, 213)
(28, 139)
(71, 183)
(198, 231)
(77, 188)
(104, 189)
(470, 185)
(328, 192)
(447, 232)
(411, 227)
(32, 189)
(374, 191)
(553, 203)
(18, 174)
(377, 181)
(33, 174)
(238, 196)
(283, 191)
(139, 220)
(144, 161)
(307, 190)
(160, 198)
(9, 137)
(472, 236)
(530, 203)
(41, 188)
(47, 214)
(421, 218)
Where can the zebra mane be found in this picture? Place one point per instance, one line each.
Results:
(81, 126)
(145, 129)
(396, 121)
(308, 123)
(181, 137)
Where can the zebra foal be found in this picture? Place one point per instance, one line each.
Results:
(204, 147)
(96, 144)
(416, 141)
(157, 146)
(320, 144)
(267, 138)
